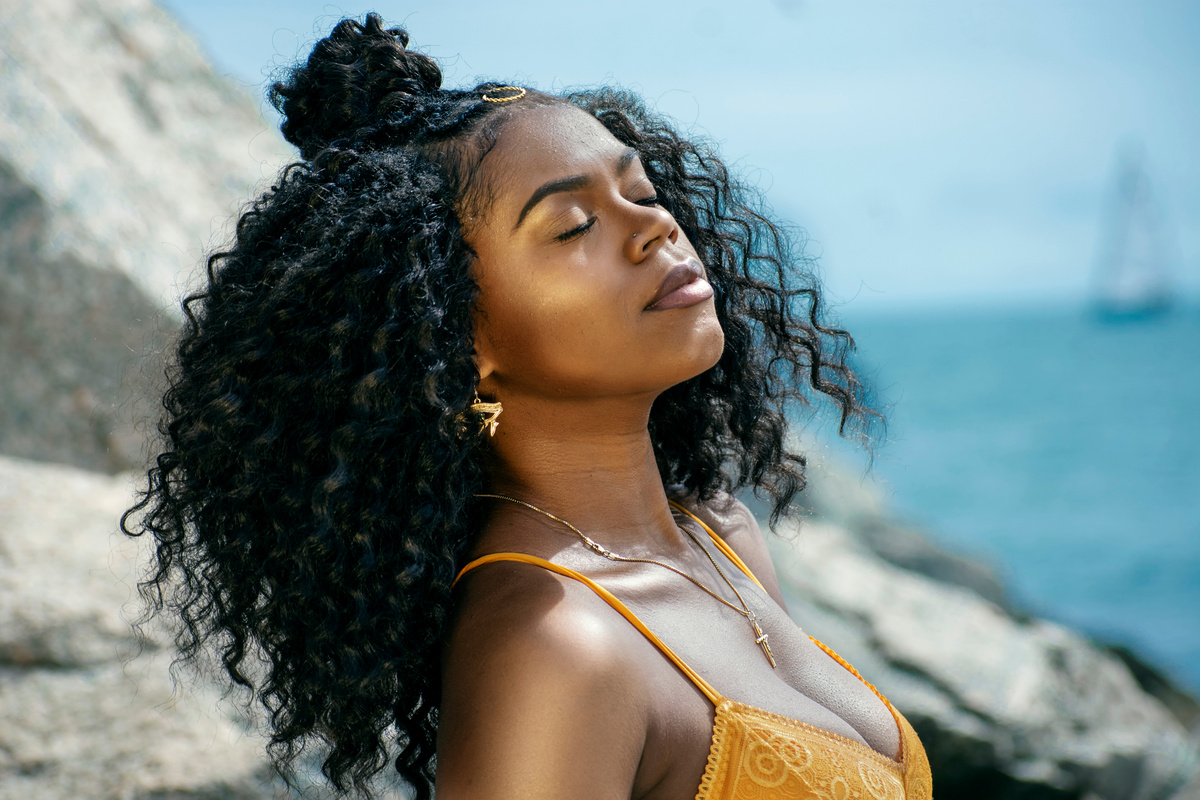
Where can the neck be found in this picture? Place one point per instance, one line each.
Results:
(589, 462)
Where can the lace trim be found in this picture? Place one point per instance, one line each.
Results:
(720, 725)
(720, 768)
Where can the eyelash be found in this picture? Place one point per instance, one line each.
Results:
(585, 227)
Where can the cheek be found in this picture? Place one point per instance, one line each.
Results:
(540, 329)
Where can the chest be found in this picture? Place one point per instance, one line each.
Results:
(719, 644)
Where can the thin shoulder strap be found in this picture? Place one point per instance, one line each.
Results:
(720, 543)
(609, 598)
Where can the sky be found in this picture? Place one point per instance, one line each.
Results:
(938, 153)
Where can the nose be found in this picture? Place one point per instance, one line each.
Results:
(652, 227)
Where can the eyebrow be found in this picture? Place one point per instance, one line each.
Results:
(570, 184)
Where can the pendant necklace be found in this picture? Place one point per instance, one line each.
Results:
(760, 638)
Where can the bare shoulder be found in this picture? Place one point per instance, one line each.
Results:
(540, 696)
(510, 608)
(737, 525)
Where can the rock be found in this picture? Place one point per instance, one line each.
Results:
(835, 495)
(1153, 682)
(1006, 708)
(122, 158)
(85, 711)
(1189, 792)
(65, 571)
(121, 731)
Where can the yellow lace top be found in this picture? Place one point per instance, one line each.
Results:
(757, 755)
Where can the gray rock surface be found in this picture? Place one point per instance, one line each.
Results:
(85, 711)
(835, 495)
(1008, 706)
(1004, 707)
(65, 573)
(122, 157)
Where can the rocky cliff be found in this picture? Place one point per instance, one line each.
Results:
(121, 159)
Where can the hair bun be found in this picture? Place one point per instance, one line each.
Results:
(354, 78)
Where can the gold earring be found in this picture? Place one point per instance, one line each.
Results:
(489, 411)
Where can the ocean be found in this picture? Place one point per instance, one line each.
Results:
(1063, 450)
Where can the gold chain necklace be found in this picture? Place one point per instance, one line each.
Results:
(760, 638)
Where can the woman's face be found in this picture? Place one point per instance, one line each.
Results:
(588, 288)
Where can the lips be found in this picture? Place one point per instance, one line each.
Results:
(683, 286)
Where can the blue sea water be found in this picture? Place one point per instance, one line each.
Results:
(1062, 449)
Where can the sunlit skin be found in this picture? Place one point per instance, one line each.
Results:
(548, 692)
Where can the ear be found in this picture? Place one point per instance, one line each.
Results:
(482, 350)
(484, 364)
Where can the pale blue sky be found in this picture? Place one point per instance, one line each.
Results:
(938, 152)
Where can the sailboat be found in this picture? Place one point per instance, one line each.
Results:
(1132, 274)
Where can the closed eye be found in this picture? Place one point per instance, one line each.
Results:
(576, 232)
(585, 227)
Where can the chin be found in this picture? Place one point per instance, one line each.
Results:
(715, 351)
(705, 348)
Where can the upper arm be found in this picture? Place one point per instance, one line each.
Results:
(537, 699)
(739, 528)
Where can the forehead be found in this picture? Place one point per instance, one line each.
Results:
(549, 142)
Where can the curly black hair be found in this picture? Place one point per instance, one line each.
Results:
(313, 495)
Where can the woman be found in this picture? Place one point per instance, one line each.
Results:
(451, 442)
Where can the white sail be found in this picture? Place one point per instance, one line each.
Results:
(1132, 274)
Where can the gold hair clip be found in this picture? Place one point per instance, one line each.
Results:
(518, 93)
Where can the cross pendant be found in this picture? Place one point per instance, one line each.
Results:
(762, 642)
